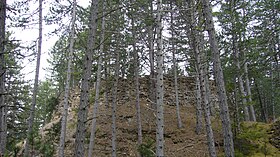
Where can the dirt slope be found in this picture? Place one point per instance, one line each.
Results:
(178, 142)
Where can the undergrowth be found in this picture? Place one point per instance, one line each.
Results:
(253, 140)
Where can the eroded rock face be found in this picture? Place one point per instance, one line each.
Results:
(275, 134)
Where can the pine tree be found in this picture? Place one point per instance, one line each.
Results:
(240, 79)
(67, 84)
(202, 78)
(159, 84)
(97, 86)
(3, 107)
(114, 101)
(198, 127)
(35, 88)
(16, 94)
(85, 84)
(175, 70)
(219, 78)
(136, 74)
(192, 35)
(249, 93)
(151, 55)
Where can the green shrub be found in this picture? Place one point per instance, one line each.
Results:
(146, 148)
(253, 139)
(46, 146)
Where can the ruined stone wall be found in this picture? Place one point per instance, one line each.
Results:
(186, 90)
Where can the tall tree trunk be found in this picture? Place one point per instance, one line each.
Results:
(263, 114)
(35, 88)
(202, 81)
(219, 78)
(190, 25)
(68, 82)
(86, 77)
(114, 103)
(115, 89)
(151, 58)
(249, 93)
(136, 74)
(97, 87)
(236, 106)
(179, 121)
(265, 105)
(106, 71)
(241, 84)
(198, 127)
(273, 95)
(3, 107)
(138, 109)
(205, 92)
(237, 61)
(205, 100)
(159, 85)
(207, 117)
(204, 61)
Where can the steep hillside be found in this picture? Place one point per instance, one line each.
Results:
(178, 142)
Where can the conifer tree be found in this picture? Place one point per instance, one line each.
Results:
(36, 82)
(67, 84)
(219, 78)
(159, 84)
(136, 74)
(174, 62)
(202, 77)
(85, 84)
(151, 54)
(98, 81)
(3, 107)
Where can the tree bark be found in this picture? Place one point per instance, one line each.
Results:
(151, 58)
(3, 107)
(179, 121)
(237, 61)
(115, 89)
(67, 83)
(219, 78)
(202, 81)
(190, 23)
(136, 74)
(86, 77)
(106, 71)
(273, 95)
(206, 106)
(249, 93)
(263, 112)
(236, 106)
(97, 87)
(241, 85)
(35, 88)
(114, 104)
(159, 85)
(198, 127)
